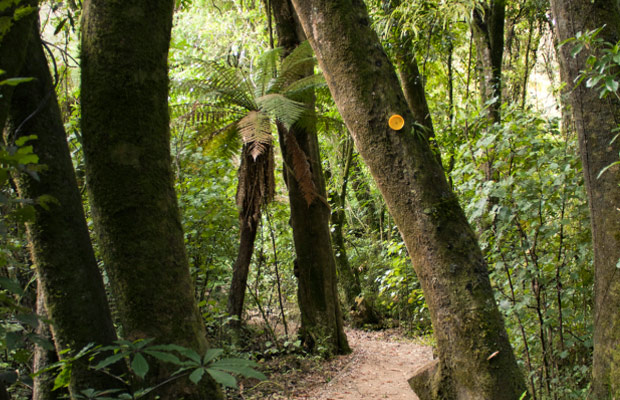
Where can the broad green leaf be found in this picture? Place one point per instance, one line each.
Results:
(163, 356)
(223, 378)
(15, 81)
(108, 361)
(11, 285)
(196, 376)
(139, 365)
(210, 355)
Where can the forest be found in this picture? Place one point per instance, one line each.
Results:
(273, 199)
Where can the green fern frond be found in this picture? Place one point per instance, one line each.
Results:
(301, 86)
(301, 53)
(224, 143)
(295, 66)
(285, 110)
(266, 71)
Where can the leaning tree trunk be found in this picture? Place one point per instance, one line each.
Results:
(60, 246)
(321, 317)
(595, 121)
(254, 189)
(475, 357)
(129, 177)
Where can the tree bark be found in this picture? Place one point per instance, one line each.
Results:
(60, 245)
(347, 277)
(125, 128)
(476, 360)
(43, 358)
(595, 122)
(488, 24)
(254, 189)
(321, 317)
(13, 47)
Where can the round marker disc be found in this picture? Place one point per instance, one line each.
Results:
(396, 122)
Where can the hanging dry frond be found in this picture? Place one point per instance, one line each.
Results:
(255, 131)
(256, 185)
(302, 171)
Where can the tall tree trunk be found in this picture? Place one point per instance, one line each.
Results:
(13, 47)
(488, 24)
(321, 317)
(475, 357)
(43, 357)
(347, 277)
(60, 245)
(255, 188)
(595, 122)
(125, 128)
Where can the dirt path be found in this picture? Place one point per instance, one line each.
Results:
(378, 368)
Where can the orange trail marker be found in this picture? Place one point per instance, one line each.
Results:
(396, 122)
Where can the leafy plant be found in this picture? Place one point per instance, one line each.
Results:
(136, 355)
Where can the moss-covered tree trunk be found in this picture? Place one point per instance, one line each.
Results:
(43, 357)
(321, 317)
(488, 28)
(595, 121)
(60, 246)
(476, 359)
(13, 45)
(126, 136)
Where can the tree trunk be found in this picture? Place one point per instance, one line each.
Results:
(13, 47)
(476, 360)
(60, 245)
(347, 277)
(595, 122)
(43, 358)
(254, 189)
(488, 24)
(125, 128)
(321, 317)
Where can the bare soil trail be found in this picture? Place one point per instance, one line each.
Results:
(378, 368)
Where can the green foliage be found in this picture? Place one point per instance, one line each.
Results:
(17, 12)
(136, 356)
(538, 247)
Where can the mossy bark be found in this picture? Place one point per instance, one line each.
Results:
(476, 359)
(60, 246)
(595, 121)
(321, 317)
(488, 29)
(43, 358)
(12, 54)
(129, 178)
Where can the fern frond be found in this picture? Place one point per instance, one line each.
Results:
(224, 143)
(255, 130)
(266, 71)
(285, 110)
(301, 86)
(299, 64)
